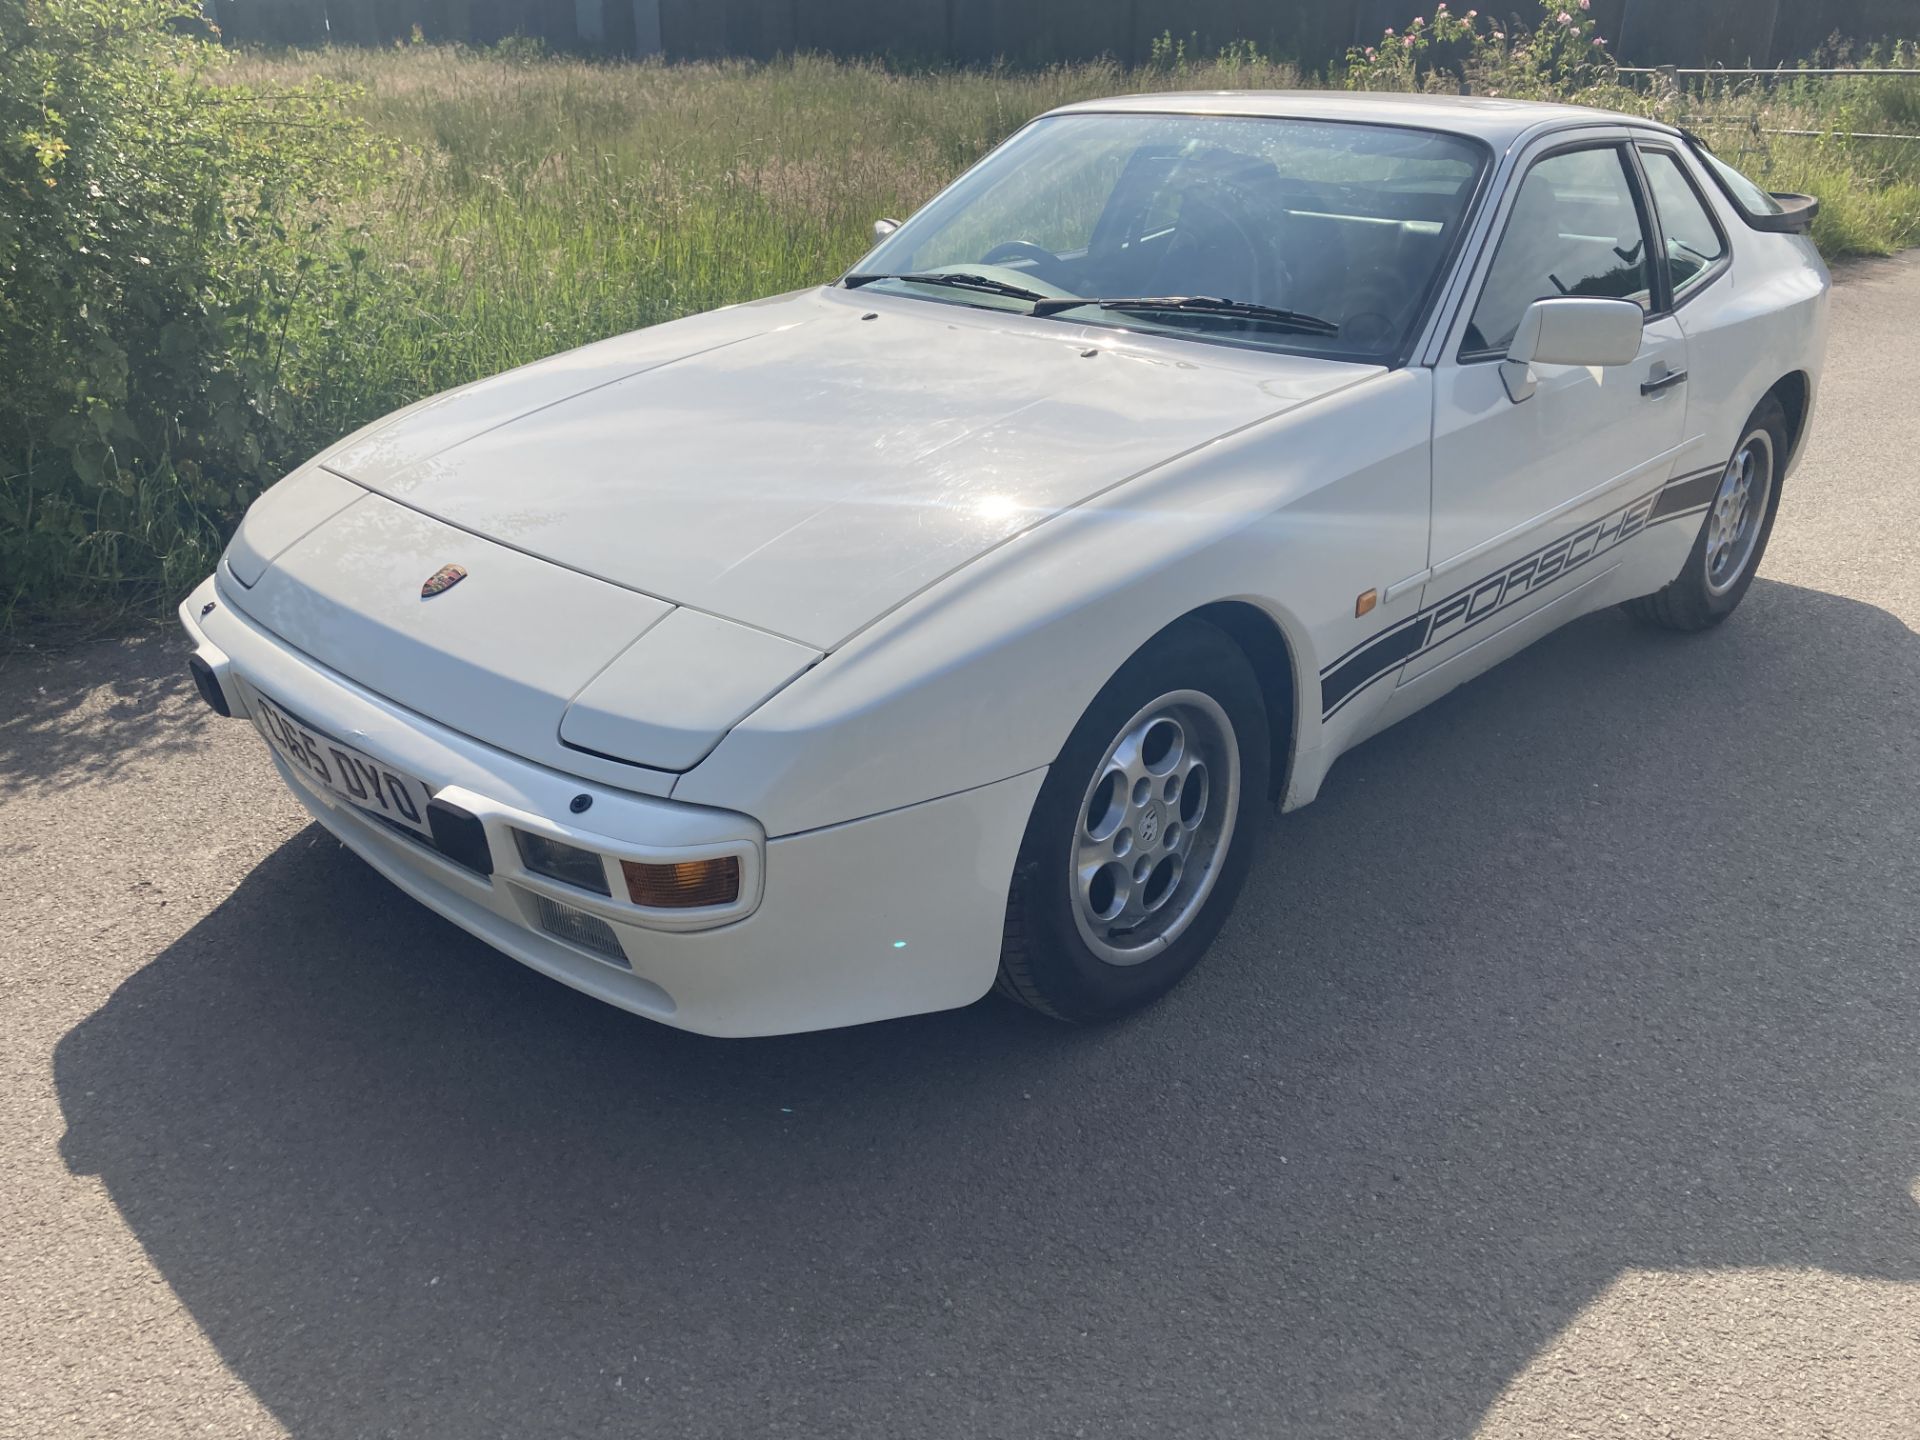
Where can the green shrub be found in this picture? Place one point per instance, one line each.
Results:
(1562, 57)
(157, 234)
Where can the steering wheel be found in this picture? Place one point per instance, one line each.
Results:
(1046, 264)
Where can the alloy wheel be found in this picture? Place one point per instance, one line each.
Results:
(1739, 512)
(1153, 827)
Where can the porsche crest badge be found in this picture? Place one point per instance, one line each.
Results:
(442, 580)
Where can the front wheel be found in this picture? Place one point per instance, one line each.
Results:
(1142, 832)
(1734, 534)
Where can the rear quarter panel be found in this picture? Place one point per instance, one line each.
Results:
(1764, 319)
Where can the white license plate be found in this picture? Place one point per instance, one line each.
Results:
(343, 772)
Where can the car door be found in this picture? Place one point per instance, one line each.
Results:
(1531, 497)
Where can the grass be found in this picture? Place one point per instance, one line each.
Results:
(540, 204)
(543, 204)
(537, 203)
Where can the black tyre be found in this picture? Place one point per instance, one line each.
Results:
(1733, 535)
(1142, 833)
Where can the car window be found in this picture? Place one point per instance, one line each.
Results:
(1351, 224)
(1574, 230)
(1693, 241)
(1742, 191)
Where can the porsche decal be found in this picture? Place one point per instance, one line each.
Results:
(1449, 618)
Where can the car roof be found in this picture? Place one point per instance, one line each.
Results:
(1499, 122)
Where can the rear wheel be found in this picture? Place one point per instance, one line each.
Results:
(1734, 534)
(1142, 833)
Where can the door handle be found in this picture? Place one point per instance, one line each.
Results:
(1663, 382)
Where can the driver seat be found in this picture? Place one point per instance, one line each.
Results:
(1223, 236)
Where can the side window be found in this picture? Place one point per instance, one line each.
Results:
(1743, 192)
(1694, 243)
(1574, 230)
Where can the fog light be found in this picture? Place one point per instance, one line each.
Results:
(568, 864)
(576, 927)
(685, 886)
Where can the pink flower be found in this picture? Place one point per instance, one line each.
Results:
(1389, 32)
(1372, 54)
(1586, 4)
(1599, 42)
(1564, 18)
(1473, 14)
(1499, 34)
(1418, 21)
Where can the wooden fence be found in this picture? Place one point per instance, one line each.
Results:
(1313, 32)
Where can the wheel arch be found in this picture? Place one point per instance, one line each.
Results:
(1271, 655)
(1795, 394)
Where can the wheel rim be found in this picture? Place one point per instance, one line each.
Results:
(1739, 512)
(1153, 826)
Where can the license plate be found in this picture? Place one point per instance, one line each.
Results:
(343, 772)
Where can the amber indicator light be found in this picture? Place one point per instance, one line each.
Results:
(683, 886)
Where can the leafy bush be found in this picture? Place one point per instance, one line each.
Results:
(1562, 57)
(157, 234)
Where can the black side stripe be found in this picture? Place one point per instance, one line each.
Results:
(1444, 620)
(1377, 656)
(1686, 494)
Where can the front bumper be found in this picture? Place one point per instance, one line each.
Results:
(895, 914)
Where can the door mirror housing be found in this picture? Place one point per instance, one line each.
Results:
(883, 228)
(1571, 330)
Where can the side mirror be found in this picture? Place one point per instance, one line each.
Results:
(1570, 331)
(883, 228)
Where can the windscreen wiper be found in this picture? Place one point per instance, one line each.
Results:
(955, 279)
(1199, 305)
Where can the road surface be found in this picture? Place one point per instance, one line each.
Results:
(1558, 1074)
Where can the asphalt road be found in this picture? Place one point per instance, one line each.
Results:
(1559, 1074)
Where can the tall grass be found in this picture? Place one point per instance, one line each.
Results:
(539, 204)
(542, 204)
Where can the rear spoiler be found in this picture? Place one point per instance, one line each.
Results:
(1795, 217)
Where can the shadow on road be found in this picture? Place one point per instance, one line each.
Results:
(1605, 962)
(85, 716)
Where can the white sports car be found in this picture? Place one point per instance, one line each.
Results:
(854, 652)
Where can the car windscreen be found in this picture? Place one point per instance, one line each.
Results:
(1343, 226)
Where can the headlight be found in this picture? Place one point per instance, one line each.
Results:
(568, 864)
